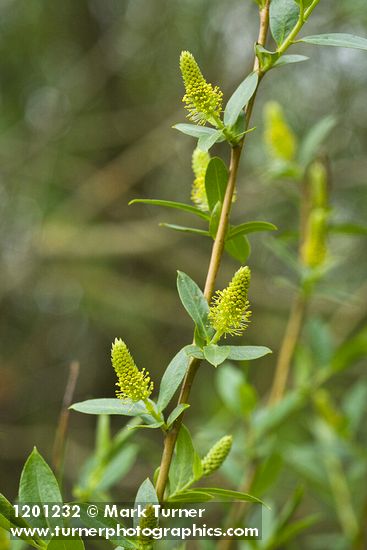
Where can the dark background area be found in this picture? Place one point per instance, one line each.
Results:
(89, 92)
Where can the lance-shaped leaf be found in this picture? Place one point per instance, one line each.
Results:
(110, 406)
(227, 494)
(287, 59)
(39, 485)
(214, 219)
(177, 411)
(239, 99)
(146, 495)
(250, 227)
(190, 496)
(8, 519)
(238, 247)
(340, 40)
(348, 228)
(216, 179)
(184, 462)
(247, 353)
(172, 204)
(194, 302)
(172, 378)
(310, 145)
(216, 355)
(283, 17)
(183, 229)
(194, 130)
(207, 141)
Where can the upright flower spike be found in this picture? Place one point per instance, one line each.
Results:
(203, 101)
(278, 136)
(229, 312)
(200, 161)
(314, 248)
(318, 178)
(133, 383)
(217, 455)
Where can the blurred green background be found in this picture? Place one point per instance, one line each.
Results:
(89, 92)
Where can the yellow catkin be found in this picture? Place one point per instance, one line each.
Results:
(314, 248)
(317, 175)
(203, 101)
(200, 161)
(278, 136)
(133, 384)
(217, 455)
(229, 312)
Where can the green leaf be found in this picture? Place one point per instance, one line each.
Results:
(292, 530)
(216, 179)
(194, 302)
(348, 228)
(216, 355)
(66, 544)
(146, 493)
(103, 436)
(206, 142)
(118, 467)
(250, 227)
(229, 382)
(152, 426)
(214, 219)
(231, 495)
(247, 353)
(238, 247)
(8, 519)
(197, 468)
(194, 351)
(38, 484)
(190, 496)
(313, 140)
(177, 411)
(239, 99)
(172, 204)
(286, 59)
(270, 418)
(267, 473)
(107, 405)
(172, 378)
(283, 17)
(355, 404)
(184, 229)
(352, 350)
(340, 40)
(194, 130)
(266, 58)
(181, 471)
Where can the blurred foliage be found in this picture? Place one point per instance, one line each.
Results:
(89, 91)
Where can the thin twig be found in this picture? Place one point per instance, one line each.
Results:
(62, 426)
(287, 349)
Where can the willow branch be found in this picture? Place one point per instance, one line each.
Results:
(214, 264)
